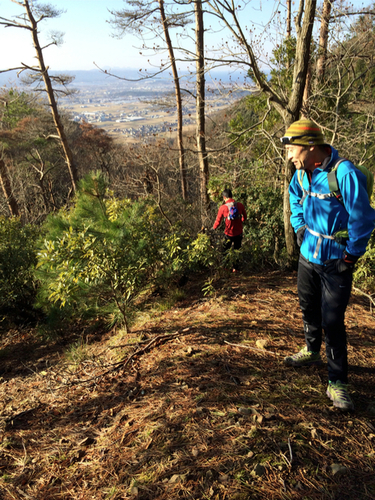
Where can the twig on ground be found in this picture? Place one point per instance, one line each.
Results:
(24, 494)
(290, 450)
(263, 351)
(372, 301)
(123, 364)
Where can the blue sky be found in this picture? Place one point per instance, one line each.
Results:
(87, 36)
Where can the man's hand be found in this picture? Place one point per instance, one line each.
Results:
(300, 235)
(340, 265)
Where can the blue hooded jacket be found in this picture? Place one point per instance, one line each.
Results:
(324, 215)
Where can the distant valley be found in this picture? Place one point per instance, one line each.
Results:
(130, 110)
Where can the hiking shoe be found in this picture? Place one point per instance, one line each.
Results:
(337, 392)
(303, 358)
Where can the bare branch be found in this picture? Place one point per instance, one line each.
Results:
(146, 77)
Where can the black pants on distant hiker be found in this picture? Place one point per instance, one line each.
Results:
(236, 241)
(323, 299)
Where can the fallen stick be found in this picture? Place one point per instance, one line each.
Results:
(123, 363)
(263, 351)
(372, 301)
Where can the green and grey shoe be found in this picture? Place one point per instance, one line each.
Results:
(338, 394)
(303, 358)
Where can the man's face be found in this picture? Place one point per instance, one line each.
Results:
(300, 156)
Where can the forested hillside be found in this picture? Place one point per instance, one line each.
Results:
(133, 363)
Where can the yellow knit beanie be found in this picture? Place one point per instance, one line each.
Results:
(304, 133)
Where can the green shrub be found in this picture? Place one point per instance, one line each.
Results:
(200, 253)
(17, 261)
(100, 257)
(265, 227)
(364, 276)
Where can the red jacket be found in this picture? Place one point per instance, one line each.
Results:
(232, 227)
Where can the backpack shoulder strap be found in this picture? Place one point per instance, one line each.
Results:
(300, 174)
(332, 180)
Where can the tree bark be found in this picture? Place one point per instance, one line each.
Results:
(200, 110)
(288, 18)
(177, 87)
(288, 24)
(292, 111)
(288, 229)
(306, 94)
(51, 99)
(323, 40)
(301, 65)
(7, 190)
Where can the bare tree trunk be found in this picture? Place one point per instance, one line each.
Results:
(288, 18)
(44, 195)
(200, 109)
(177, 87)
(288, 25)
(304, 34)
(51, 99)
(288, 229)
(303, 48)
(306, 94)
(7, 190)
(323, 40)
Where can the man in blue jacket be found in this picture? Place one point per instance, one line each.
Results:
(326, 263)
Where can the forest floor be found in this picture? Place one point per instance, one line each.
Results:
(194, 403)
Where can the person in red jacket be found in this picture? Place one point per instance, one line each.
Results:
(233, 227)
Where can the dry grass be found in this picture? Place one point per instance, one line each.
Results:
(188, 415)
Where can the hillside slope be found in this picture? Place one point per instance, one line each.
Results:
(195, 404)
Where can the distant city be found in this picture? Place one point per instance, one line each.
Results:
(130, 110)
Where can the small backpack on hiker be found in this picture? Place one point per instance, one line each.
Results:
(233, 212)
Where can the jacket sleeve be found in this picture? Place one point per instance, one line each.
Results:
(361, 221)
(295, 195)
(220, 215)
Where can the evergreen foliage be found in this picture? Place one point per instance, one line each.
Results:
(17, 261)
(364, 276)
(282, 60)
(265, 229)
(102, 255)
(17, 106)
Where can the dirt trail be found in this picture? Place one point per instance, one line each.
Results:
(195, 403)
